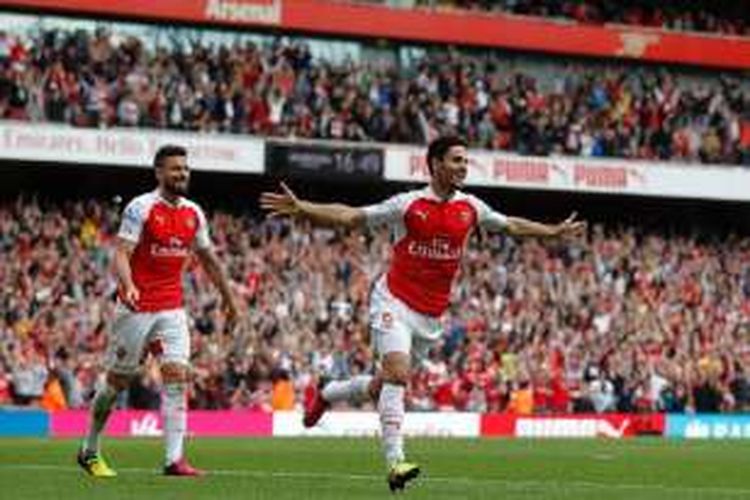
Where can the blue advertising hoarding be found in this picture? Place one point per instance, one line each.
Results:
(23, 422)
(708, 426)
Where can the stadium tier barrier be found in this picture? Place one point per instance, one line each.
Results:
(72, 423)
(310, 160)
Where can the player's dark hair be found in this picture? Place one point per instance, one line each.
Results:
(167, 151)
(440, 146)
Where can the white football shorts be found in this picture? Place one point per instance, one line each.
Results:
(395, 327)
(133, 331)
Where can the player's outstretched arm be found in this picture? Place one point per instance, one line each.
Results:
(518, 226)
(286, 203)
(218, 277)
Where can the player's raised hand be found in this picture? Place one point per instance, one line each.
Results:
(284, 203)
(571, 226)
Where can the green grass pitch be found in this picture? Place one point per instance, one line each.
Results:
(286, 468)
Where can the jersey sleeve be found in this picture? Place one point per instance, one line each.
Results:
(487, 218)
(387, 212)
(202, 235)
(133, 219)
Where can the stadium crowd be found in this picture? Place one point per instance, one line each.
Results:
(621, 321)
(102, 79)
(724, 17)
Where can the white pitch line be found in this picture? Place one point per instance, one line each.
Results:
(508, 483)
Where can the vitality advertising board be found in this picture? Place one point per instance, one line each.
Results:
(73, 423)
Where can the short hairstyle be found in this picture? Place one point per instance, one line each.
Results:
(440, 146)
(166, 151)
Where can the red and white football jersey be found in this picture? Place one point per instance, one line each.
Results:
(430, 237)
(164, 234)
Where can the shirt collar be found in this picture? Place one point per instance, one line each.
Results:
(431, 195)
(179, 202)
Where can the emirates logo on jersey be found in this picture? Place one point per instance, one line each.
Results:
(175, 248)
(436, 248)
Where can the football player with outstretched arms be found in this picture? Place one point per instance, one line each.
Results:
(430, 228)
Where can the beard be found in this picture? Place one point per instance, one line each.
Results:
(177, 188)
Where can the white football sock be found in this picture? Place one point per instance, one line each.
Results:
(391, 409)
(101, 407)
(174, 413)
(354, 390)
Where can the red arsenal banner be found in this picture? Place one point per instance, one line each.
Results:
(467, 28)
